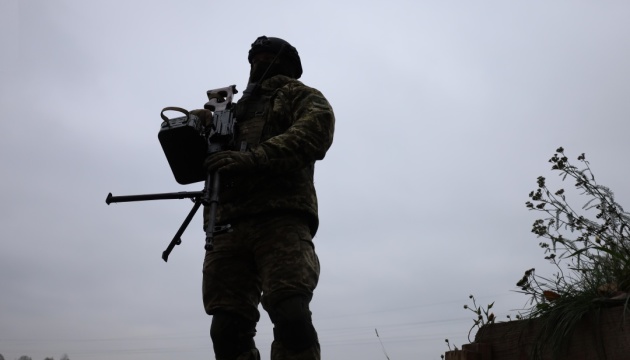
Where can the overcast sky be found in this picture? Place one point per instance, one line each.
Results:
(447, 112)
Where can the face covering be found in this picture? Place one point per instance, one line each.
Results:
(262, 70)
(266, 69)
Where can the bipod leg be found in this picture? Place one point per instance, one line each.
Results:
(177, 238)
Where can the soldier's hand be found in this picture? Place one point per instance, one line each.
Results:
(231, 161)
(204, 115)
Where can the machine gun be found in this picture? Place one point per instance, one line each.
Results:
(187, 142)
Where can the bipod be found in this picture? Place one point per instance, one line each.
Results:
(209, 197)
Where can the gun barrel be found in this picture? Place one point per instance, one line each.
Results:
(162, 196)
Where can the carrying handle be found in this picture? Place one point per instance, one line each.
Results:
(174, 108)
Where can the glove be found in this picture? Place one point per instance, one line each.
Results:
(231, 161)
(204, 115)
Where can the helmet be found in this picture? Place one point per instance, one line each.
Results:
(277, 46)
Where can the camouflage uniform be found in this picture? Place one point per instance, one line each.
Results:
(269, 256)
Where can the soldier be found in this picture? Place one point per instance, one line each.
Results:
(268, 197)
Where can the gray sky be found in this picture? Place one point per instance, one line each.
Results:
(447, 111)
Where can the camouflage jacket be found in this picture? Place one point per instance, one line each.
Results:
(287, 128)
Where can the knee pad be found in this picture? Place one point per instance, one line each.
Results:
(231, 335)
(293, 326)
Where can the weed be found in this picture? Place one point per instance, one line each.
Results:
(483, 316)
(589, 247)
(596, 247)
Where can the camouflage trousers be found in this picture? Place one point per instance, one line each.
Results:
(265, 259)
